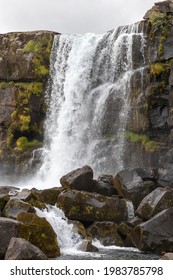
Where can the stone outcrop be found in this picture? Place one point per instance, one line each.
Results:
(149, 130)
(24, 70)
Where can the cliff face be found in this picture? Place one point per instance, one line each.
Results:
(24, 69)
(149, 132)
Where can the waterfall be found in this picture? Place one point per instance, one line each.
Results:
(88, 102)
(68, 239)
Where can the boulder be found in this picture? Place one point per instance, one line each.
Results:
(80, 179)
(86, 246)
(155, 235)
(106, 233)
(78, 228)
(8, 229)
(21, 249)
(130, 185)
(167, 256)
(40, 233)
(105, 186)
(15, 207)
(32, 197)
(155, 202)
(85, 206)
(49, 196)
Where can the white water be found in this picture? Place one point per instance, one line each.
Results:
(88, 104)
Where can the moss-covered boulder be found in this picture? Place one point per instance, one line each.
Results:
(32, 197)
(155, 202)
(106, 233)
(85, 206)
(15, 207)
(40, 233)
(49, 196)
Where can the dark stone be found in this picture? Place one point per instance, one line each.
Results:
(85, 206)
(15, 207)
(21, 249)
(131, 186)
(155, 202)
(155, 235)
(8, 228)
(40, 233)
(105, 186)
(87, 246)
(49, 196)
(106, 233)
(80, 179)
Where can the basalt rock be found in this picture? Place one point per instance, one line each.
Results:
(15, 207)
(8, 228)
(106, 233)
(155, 235)
(24, 70)
(80, 179)
(40, 233)
(130, 185)
(85, 206)
(155, 202)
(21, 249)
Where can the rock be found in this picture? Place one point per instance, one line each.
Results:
(167, 256)
(105, 186)
(106, 233)
(131, 186)
(124, 230)
(32, 197)
(78, 228)
(155, 202)
(40, 233)
(49, 196)
(155, 235)
(86, 246)
(15, 207)
(84, 206)
(80, 179)
(166, 177)
(8, 229)
(18, 54)
(21, 249)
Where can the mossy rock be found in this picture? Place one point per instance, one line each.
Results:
(50, 196)
(85, 206)
(40, 233)
(106, 233)
(16, 206)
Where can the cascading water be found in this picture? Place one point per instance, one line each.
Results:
(88, 103)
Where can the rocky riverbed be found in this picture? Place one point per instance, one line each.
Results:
(131, 209)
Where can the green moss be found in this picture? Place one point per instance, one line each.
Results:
(158, 68)
(149, 146)
(22, 144)
(10, 138)
(41, 50)
(24, 122)
(157, 18)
